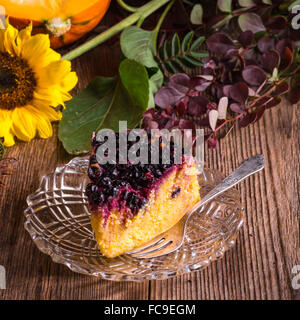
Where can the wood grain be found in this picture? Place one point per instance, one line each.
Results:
(258, 267)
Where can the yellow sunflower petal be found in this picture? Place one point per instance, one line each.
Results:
(24, 35)
(43, 125)
(53, 73)
(69, 82)
(54, 81)
(49, 112)
(66, 96)
(5, 128)
(5, 121)
(9, 40)
(36, 51)
(24, 124)
(9, 140)
(52, 95)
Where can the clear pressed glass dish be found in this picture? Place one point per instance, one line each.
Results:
(58, 221)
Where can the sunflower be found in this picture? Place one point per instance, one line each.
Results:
(34, 82)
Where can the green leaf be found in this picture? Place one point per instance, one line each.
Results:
(176, 67)
(186, 63)
(155, 83)
(168, 67)
(138, 45)
(225, 5)
(187, 40)
(197, 14)
(175, 45)
(104, 103)
(193, 61)
(167, 50)
(197, 43)
(221, 23)
(295, 3)
(173, 60)
(135, 79)
(161, 53)
(199, 54)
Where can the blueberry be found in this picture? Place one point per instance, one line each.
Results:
(157, 173)
(106, 182)
(108, 167)
(134, 210)
(98, 198)
(176, 192)
(132, 201)
(143, 182)
(93, 160)
(115, 192)
(136, 172)
(125, 195)
(164, 167)
(142, 202)
(90, 188)
(115, 172)
(94, 173)
(130, 197)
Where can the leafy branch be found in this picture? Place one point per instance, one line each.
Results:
(173, 56)
(137, 15)
(240, 77)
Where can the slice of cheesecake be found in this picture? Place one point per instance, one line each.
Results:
(132, 204)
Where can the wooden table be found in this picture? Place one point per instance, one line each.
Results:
(258, 267)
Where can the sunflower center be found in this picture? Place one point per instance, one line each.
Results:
(17, 82)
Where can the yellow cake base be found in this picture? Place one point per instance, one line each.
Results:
(160, 214)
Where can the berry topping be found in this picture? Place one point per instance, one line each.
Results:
(117, 185)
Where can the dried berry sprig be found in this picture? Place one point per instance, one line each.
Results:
(242, 79)
(254, 15)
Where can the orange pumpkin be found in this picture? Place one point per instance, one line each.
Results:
(64, 20)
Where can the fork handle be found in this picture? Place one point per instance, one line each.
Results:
(246, 169)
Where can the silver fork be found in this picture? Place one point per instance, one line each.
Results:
(173, 239)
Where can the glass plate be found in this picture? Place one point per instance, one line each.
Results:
(58, 221)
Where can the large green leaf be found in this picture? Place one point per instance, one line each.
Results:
(138, 45)
(104, 103)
